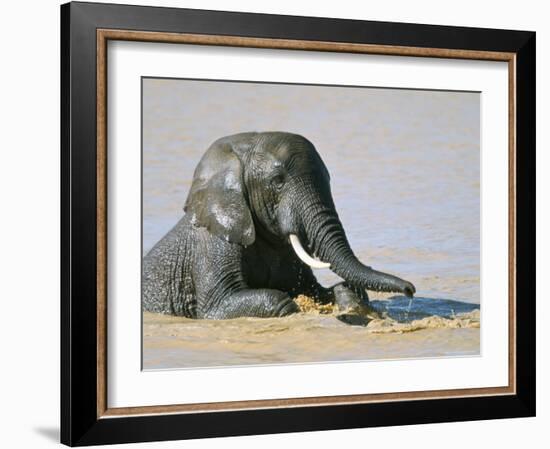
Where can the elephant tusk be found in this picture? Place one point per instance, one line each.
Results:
(303, 255)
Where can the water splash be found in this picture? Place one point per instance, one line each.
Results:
(403, 309)
(397, 314)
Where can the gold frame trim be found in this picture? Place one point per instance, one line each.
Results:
(104, 35)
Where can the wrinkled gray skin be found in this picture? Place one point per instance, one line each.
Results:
(230, 255)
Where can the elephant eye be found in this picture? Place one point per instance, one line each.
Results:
(277, 181)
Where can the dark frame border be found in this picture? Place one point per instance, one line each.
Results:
(80, 424)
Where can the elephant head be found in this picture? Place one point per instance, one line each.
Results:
(275, 186)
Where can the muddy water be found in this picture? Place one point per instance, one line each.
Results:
(171, 342)
(405, 179)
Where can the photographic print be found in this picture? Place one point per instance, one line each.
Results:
(326, 215)
(287, 223)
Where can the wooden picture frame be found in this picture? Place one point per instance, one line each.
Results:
(85, 416)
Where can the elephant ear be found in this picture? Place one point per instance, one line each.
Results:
(217, 199)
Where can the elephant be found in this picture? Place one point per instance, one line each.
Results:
(258, 217)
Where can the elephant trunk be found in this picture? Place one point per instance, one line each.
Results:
(327, 241)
